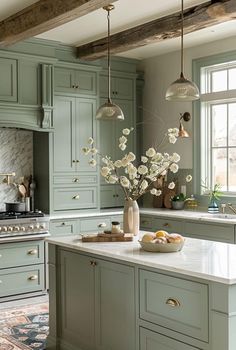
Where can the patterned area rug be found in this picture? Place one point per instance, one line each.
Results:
(24, 328)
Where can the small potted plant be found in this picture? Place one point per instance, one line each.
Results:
(178, 201)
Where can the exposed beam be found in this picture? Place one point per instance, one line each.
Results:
(43, 16)
(195, 18)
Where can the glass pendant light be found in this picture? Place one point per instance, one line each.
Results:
(109, 110)
(182, 89)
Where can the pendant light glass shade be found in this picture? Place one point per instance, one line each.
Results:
(109, 110)
(182, 89)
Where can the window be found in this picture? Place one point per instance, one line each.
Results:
(218, 126)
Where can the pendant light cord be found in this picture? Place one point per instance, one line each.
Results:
(182, 39)
(108, 56)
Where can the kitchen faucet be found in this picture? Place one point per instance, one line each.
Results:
(230, 206)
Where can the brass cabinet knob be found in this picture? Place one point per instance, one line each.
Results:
(77, 86)
(73, 86)
(77, 161)
(173, 302)
(63, 224)
(33, 278)
(32, 252)
(76, 179)
(93, 263)
(166, 224)
(76, 196)
(102, 224)
(73, 161)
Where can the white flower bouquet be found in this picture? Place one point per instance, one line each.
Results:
(136, 179)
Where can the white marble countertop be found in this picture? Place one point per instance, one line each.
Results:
(166, 213)
(212, 261)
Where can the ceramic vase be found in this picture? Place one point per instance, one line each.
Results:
(213, 206)
(131, 217)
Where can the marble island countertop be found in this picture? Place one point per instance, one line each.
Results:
(212, 261)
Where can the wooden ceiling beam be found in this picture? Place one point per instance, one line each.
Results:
(43, 16)
(195, 18)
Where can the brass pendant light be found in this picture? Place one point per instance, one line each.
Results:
(109, 110)
(182, 89)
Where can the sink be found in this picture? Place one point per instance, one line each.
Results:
(219, 216)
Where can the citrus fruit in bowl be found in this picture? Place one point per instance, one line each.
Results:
(162, 241)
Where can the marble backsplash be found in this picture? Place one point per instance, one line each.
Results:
(16, 155)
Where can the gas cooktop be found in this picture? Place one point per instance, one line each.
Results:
(5, 215)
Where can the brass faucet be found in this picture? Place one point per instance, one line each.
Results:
(7, 178)
(230, 206)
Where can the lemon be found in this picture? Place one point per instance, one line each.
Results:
(161, 233)
(148, 237)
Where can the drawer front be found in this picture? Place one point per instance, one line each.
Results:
(75, 180)
(21, 280)
(146, 223)
(21, 254)
(174, 303)
(168, 225)
(62, 227)
(80, 198)
(154, 341)
(95, 224)
(221, 233)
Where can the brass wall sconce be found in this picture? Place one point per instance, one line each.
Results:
(186, 117)
(7, 178)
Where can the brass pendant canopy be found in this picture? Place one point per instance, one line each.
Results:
(109, 110)
(182, 89)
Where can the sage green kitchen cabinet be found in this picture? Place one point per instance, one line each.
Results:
(63, 227)
(97, 305)
(74, 123)
(67, 198)
(73, 81)
(8, 86)
(210, 231)
(121, 87)
(153, 223)
(111, 196)
(150, 340)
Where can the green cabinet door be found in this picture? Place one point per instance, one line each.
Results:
(76, 302)
(64, 135)
(114, 306)
(85, 127)
(121, 87)
(64, 80)
(154, 341)
(8, 74)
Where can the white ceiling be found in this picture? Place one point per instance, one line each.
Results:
(127, 13)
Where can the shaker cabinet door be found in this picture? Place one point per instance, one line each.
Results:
(76, 300)
(64, 135)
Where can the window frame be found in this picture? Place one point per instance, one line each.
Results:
(198, 163)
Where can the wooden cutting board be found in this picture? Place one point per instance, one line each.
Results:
(106, 237)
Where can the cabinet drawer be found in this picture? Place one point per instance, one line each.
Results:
(63, 227)
(21, 280)
(75, 180)
(95, 224)
(20, 254)
(154, 341)
(146, 222)
(219, 232)
(168, 225)
(70, 198)
(174, 303)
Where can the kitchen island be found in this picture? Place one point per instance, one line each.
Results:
(114, 296)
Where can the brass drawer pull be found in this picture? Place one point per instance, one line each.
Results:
(102, 224)
(76, 196)
(93, 263)
(166, 224)
(33, 278)
(173, 302)
(32, 252)
(76, 179)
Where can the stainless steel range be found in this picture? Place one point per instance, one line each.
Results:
(25, 225)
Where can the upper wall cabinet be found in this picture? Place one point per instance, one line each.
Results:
(121, 87)
(29, 83)
(8, 85)
(73, 81)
